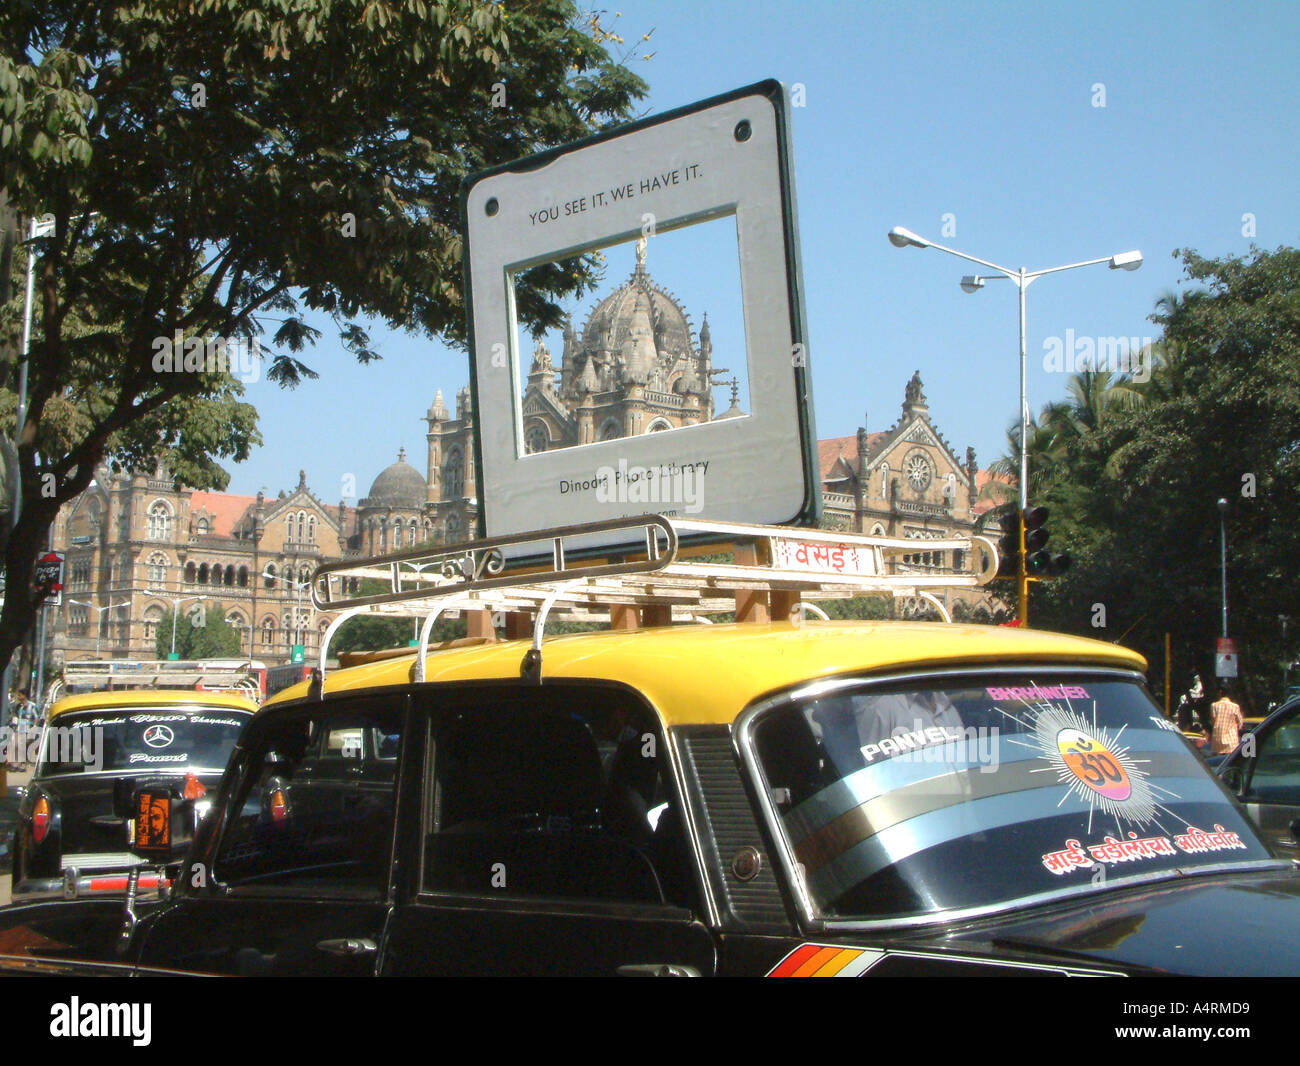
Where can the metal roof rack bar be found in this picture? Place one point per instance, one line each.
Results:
(501, 562)
(585, 572)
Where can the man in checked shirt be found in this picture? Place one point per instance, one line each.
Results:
(1227, 720)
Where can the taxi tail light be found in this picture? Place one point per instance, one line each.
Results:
(279, 805)
(42, 816)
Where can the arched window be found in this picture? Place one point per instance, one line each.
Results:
(302, 526)
(268, 632)
(884, 481)
(397, 533)
(203, 574)
(191, 572)
(236, 622)
(160, 521)
(228, 578)
(157, 568)
(311, 529)
(877, 530)
(611, 430)
(269, 576)
(304, 575)
(243, 577)
(383, 537)
(453, 475)
(659, 425)
(152, 616)
(536, 439)
(202, 527)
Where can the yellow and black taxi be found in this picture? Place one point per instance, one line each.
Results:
(71, 837)
(790, 797)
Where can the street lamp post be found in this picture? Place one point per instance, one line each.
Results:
(905, 238)
(1223, 562)
(298, 586)
(176, 609)
(99, 618)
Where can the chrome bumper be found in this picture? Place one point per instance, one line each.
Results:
(75, 884)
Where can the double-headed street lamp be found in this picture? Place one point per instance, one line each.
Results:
(298, 586)
(176, 608)
(905, 238)
(99, 618)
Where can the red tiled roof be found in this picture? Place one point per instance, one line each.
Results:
(225, 508)
(982, 478)
(833, 448)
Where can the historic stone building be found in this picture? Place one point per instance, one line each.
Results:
(906, 482)
(138, 548)
(637, 366)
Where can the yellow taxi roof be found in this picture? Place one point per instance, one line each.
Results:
(697, 674)
(149, 697)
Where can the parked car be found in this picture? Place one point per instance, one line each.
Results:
(71, 836)
(819, 798)
(1264, 773)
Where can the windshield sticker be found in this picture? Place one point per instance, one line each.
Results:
(1090, 762)
(159, 736)
(1038, 692)
(912, 740)
(1194, 841)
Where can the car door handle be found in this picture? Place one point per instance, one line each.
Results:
(658, 969)
(348, 946)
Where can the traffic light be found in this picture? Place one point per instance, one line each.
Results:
(1009, 546)
(1039, 562)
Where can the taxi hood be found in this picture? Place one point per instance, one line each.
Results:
(1222, 925)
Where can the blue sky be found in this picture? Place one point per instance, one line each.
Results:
(914, 112)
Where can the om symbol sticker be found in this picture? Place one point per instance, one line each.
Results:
(1093, 764)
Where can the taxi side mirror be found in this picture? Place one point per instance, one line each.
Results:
(161, 823)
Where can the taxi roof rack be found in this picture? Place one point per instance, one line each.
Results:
(645, 570)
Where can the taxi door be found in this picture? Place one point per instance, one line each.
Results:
(547, 841)
(301, 870)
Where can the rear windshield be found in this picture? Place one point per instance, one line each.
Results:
(906, 800)
(140, 739)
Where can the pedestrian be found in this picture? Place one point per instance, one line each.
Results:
(1226, 716)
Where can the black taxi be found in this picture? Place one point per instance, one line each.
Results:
(792, 797)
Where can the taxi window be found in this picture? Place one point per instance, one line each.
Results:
(903, 800)
(305, 825)
(136, 739)
(555, 795)
(1276, 774)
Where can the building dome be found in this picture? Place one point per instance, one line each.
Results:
(610, 325)
(399, 485)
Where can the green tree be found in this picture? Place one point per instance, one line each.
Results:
(1218, 419)
(377, 633)
(202, 632)
(217, 170)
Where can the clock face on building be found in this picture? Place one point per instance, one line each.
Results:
(917, 469)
